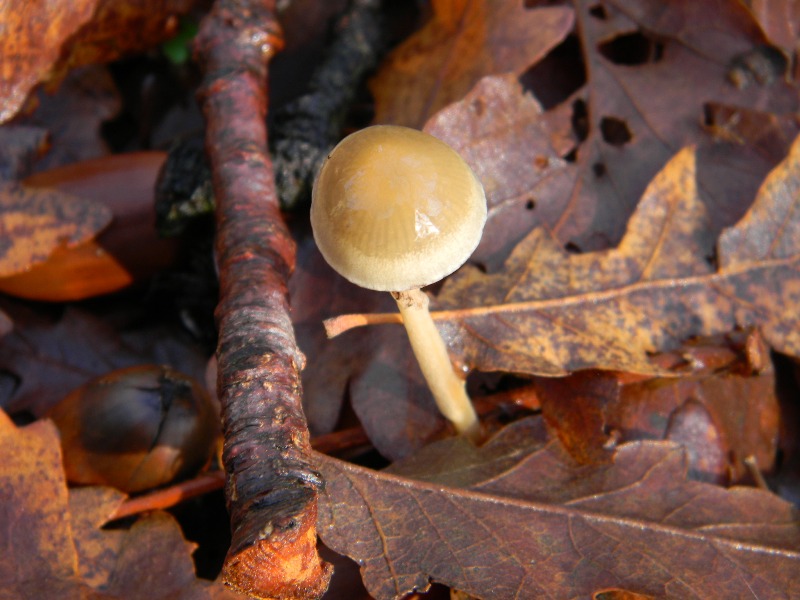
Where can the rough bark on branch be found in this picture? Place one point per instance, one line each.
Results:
(271, 486)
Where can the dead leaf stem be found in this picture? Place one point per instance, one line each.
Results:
(271, 485)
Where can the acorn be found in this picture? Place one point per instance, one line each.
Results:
(136, 428)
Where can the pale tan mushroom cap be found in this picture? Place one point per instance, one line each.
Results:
(395, 209)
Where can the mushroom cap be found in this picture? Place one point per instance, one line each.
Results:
(395, 209)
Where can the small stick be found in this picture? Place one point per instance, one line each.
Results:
(271, 486)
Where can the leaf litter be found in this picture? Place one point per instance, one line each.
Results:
(606, 524)
(549, 312)
(56, 547)
(652, 69)
(612, 308)
(519, 518)
(462, 42)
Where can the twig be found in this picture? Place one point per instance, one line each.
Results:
(306, 130)
(172, 495)
(271, 486)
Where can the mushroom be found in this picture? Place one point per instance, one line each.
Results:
(395, 209)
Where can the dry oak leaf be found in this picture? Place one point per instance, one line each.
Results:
(721, 416)
(505, 136)
(42, 39)
(52, 543)
(464, 41)
(550, 313)
(120, 27)
(5, 324)
(767, 134)
(724, 419)
(541, 526)
(33, 223)
(47, 356)
(35, 538)
(32, 34)
(20, 146)
(330, 365)
(652, 67)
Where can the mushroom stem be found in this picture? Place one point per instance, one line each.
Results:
(429, 348)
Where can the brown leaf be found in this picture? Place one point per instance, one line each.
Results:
(45, 357)
(53, 546)
(549, 313)
(457, 463)
(90, 508)
(574, 408)
(780, 20)
(768, 135)
(330, 365)
(149, 560)
(73, 115)
(128, 250)
(120, 27)
(544, 527)
(464, 41)
(651, 70)
(45, 39)
(390, 397)
(34, 33)
(503, 134)
(721, 420)
(154, 561)
(719, 415)
(20, 145)
(35, 538)
(35, 222)
(5, 324)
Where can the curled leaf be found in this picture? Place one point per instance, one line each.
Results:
(34, 222)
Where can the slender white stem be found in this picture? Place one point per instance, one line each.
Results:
(446, 386)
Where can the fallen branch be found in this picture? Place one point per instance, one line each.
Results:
(271, 487)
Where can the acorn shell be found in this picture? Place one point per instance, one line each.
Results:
(136, 428)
